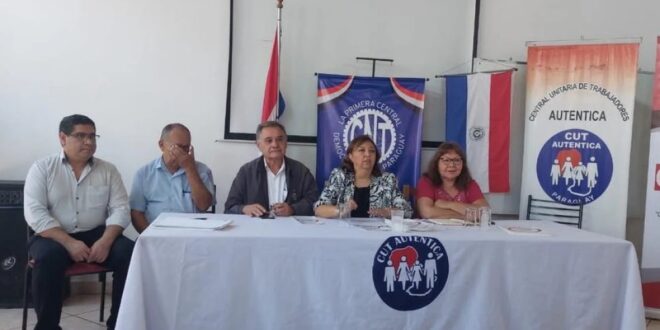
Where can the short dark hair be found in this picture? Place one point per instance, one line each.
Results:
(346, 163)
(267, 124)
(169, 127)
(432, 173)
(67, 124)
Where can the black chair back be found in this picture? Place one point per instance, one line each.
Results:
(544, 209)
(212, 209)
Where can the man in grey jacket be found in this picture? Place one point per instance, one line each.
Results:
(272, 184)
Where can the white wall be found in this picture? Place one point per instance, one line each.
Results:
(325, 37)
(134, 66)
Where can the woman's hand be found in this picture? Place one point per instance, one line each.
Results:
(352, 205)
(344, 210)
(442, 204)
(380, 213)
(437, 210)
(454, 206)
(336, 211)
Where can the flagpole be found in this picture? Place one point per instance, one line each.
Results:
(279, 51)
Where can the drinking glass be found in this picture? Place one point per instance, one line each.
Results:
(344, 211)
(471, 216)
(484, 216)
(397, 222)
(271, 211)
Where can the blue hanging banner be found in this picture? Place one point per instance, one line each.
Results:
(387, 109)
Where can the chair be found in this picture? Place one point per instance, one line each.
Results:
(543, 209)
(408, 193)
(212, 208)
(75, 269)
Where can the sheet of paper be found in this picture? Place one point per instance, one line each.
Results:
(524, 230)
(410, 225)
(447, 222)
(368, 223)
(192, 223)
(309, 220)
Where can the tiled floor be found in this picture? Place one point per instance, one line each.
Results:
(82, 313)
(652, 324)
(79, 313)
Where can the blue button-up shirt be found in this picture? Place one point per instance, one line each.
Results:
(156, 190)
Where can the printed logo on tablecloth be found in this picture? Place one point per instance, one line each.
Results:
(574, 167)
(409, 272)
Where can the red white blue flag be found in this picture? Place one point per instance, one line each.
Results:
(478, 118)
(273, 105)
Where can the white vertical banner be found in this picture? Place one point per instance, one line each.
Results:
(651, 248)
(578, 129)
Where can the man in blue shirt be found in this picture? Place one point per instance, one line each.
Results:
(174, 182)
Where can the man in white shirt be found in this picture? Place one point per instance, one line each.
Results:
(272, 184)
(78, 208)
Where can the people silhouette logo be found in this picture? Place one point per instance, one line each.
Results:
(574, 167)
(409, 272)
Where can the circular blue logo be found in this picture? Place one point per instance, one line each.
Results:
(410, 271)
(574, 167)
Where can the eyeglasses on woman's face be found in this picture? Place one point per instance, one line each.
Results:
(455, 161)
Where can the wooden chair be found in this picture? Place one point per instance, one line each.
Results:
(543, 209)
(75, 269)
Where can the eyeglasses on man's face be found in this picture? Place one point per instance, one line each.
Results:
(82, 137)
(451, 161)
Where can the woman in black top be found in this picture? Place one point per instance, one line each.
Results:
(360, 185)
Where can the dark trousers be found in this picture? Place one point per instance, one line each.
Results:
(51, 260)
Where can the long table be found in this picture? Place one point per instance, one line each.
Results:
(283, 274)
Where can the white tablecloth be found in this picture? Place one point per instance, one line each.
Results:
(281, 274)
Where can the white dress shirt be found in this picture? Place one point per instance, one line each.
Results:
(276, 184)
(54, 198)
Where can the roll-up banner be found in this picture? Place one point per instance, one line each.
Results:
(651, 250)
(578, 127)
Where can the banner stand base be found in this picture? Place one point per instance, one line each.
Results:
(652, 313)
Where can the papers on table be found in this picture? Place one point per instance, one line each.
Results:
(524, 230)
(447, 222)
(368, 223)
(192, 223)
(380, 224)
(421, 225)
(309, 220)
(415, 225)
